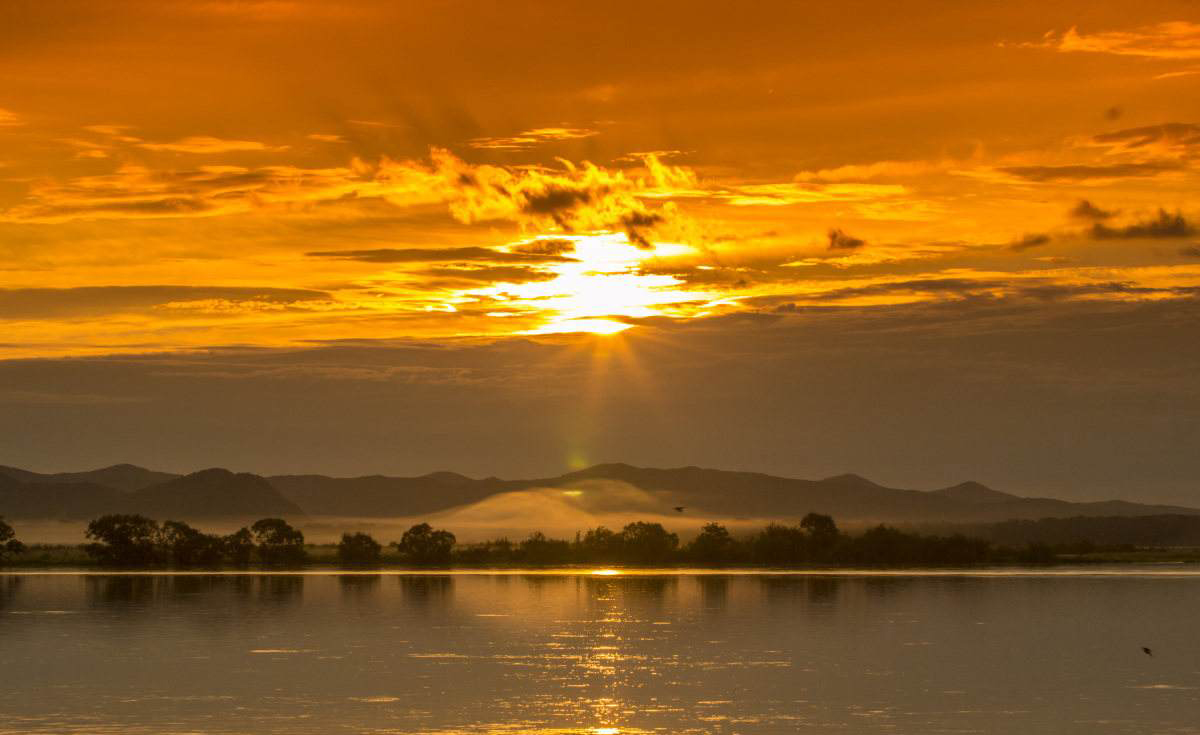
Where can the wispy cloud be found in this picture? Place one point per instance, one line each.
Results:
(209, 144)
(433, 255)
(8, 118)
(1171, 40)
(1088, 172)
(530, 138)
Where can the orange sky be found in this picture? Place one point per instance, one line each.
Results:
(182, 175)
(768, 204)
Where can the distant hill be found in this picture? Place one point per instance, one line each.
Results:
(212, 493)
(123, 477)
(701, 492)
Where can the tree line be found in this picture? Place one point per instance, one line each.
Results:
(124, 540)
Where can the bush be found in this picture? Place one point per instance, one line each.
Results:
(9, 544)
(358, 550)
(279, 545)
(424, 546)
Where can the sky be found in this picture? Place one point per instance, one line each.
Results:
(955, 242)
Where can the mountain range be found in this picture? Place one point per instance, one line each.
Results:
(219, 493)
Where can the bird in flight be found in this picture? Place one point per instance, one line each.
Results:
(1147, 651)
(679, 508)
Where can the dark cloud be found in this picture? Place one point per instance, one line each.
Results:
(430, 255)
(54, 303)
(1086, 210)
(1174, 133)
(1030, 241)
(1190, 251)
(1059, 291)
(635, 222)
(545, 247)
(1165, 225)
(505, 274)
(839, 240)
(554, 200)
(1082, 172)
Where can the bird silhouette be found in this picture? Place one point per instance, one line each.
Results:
(1147, 651)
(679, 508)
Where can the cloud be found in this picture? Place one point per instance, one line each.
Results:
(1170, 40)
(1166, 138)
(325, 137)
(1165, 225)
(420, 255)
(1086, 210)
(1030, 241)
(9, 118)
(1083, 172)
(784, 194)
(1190, 251)
(935, 286)
(530, 138)
(1059, 291)
(209, 144)
(573, 198)
(839, 240)
(544, 246)
(58, 303)
(493, 274)
(135, 191)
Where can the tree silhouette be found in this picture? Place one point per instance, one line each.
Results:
(823, 535)
(648, 543)
(8, 541)
(124, 540)
(187, 547)
(424, 546)
(278, 543)
(358, 550)
(713, 545)
(239, 547)
(541, 551)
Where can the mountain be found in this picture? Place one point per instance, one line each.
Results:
(212, 493)
(704, 493)
(123, 477)
(378, 496)
(65, 501)
(973, 492)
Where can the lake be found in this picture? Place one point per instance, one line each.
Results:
(995, 652)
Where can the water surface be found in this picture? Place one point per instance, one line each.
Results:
(583, 653)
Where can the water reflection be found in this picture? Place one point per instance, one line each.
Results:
(359, 586)
(144, 591)
(427, 593)
(9, 587)
(545, 654)
(714, 593)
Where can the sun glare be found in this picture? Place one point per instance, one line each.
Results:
(606, 572)
(602, 285)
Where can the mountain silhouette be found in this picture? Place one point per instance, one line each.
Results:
(123, 477)
(213, 493)
(704, 492)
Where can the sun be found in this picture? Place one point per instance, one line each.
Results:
(602, 287)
